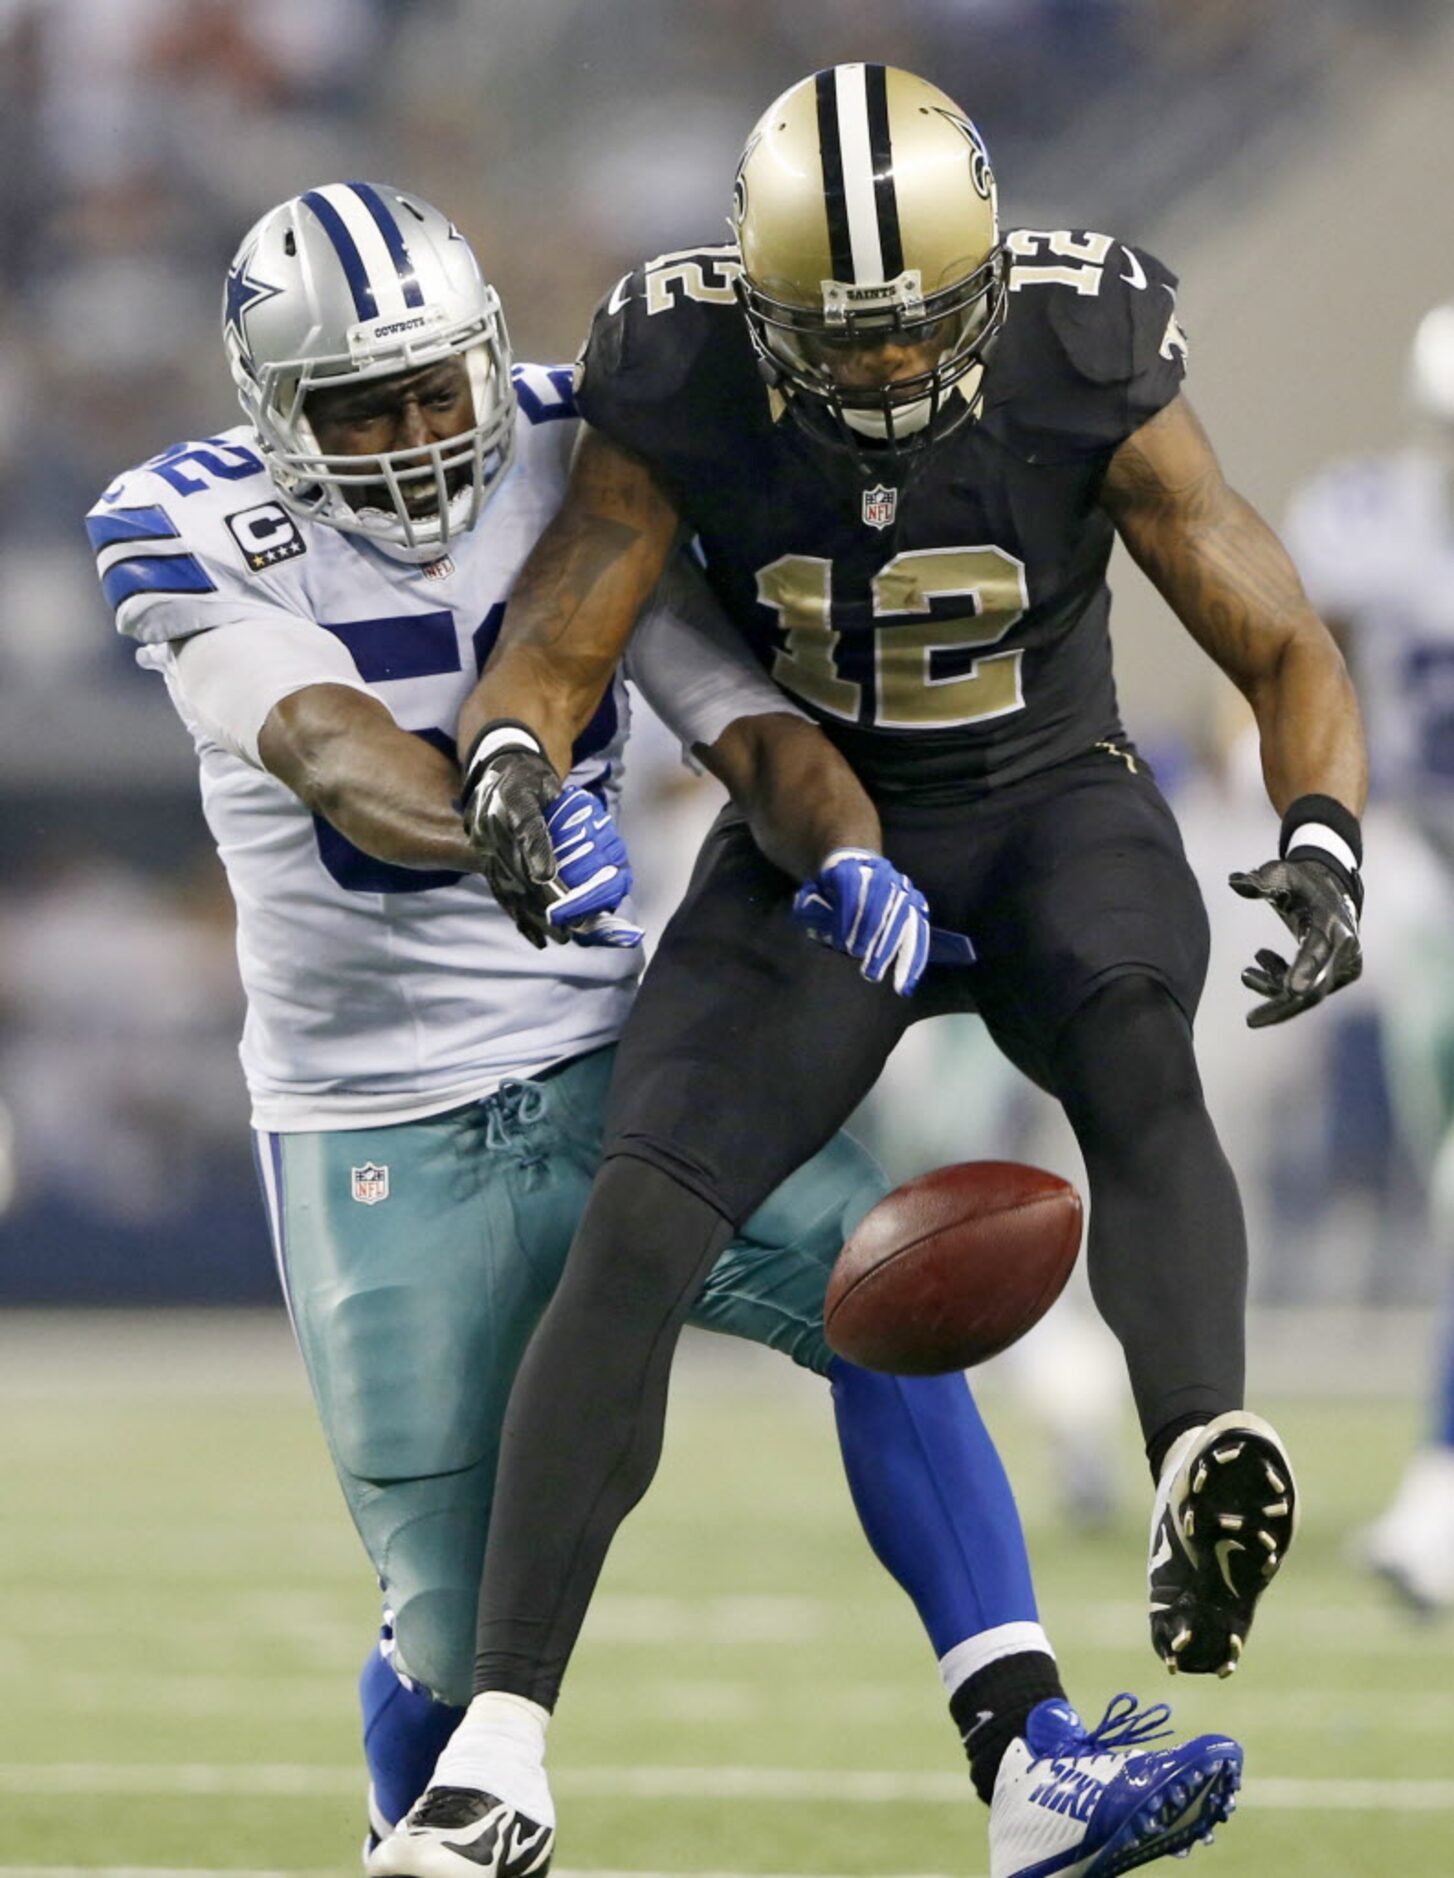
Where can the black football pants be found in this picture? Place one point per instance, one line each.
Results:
(748, 1048)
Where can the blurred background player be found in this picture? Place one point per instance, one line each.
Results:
(1374, 541)
(319, 587)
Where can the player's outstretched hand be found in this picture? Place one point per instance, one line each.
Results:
(862, 905)
(509, 787)
(1319, 904)
(592, 874)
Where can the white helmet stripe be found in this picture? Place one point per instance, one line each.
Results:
(372, 250)
(858, 191)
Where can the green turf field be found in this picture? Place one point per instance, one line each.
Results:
(184, 1613)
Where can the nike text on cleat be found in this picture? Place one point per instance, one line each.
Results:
(1076, 1803)
(456, 1832)
(1225, 1515)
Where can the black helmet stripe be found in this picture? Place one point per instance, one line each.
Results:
(840, 244)
(881, 156)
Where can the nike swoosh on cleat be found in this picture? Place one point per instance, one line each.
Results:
(1223, 1548)
(1162, 1553)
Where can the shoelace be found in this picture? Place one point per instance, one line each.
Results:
(513, 1107)
(1124, 1726)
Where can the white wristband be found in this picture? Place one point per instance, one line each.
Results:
(1319, 835)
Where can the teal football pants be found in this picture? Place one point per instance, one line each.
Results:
(416, 1260)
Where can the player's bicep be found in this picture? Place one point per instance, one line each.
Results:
(1211, 555)
(232, 678)
(1164, 477)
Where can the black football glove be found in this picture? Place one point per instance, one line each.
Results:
(509, 785)
(1319, 903)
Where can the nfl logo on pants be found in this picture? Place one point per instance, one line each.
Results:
(370, 1183)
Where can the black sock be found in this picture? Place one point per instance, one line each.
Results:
(989, 1710)
(1159, 1446)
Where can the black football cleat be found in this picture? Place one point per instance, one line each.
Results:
(456, 1832)
(1226, 1513)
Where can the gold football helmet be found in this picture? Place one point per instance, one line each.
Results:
(873, 276)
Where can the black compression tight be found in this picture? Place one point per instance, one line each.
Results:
(580, 1444)
(1167, 1251)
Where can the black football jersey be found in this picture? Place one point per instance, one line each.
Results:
(947, 626)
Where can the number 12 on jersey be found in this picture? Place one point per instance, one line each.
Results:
(909, 692)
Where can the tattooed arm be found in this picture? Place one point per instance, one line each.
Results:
(1231, 584)
(576, 600)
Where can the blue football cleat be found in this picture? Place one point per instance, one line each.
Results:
(1072, 1802)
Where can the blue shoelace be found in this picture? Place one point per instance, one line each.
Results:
(1125, 1726)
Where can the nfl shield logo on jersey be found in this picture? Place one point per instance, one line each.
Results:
(879, 505)
(370, 1184)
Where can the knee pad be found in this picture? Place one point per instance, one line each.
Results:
(434, 1641)
(1127, 1053)
(427, 1541)
(816, 1209)
(768, 1285)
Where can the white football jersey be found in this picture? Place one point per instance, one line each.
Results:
(376, 993)
(1374, 542)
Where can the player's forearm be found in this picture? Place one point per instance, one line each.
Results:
(576, 601)
(388, 792)
(799, 794)
(1310, 726)
(554, 694)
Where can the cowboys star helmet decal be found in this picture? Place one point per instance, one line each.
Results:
(243, 293)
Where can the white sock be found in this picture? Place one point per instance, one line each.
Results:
(499, 1748)
(966, 1659)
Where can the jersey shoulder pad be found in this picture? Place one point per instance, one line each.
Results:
(666, 347)
(194, 530)
(545, 424)
(1092, 341)
(545, 393)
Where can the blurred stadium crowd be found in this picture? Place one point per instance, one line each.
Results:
(141, 138)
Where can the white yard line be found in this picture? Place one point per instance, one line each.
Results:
(232, 1871)
(803, 1785)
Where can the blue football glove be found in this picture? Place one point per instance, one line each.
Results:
(592, 873)
(862, 905)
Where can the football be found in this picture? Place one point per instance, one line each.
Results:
(950, 1269)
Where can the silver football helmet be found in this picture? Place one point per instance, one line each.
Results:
(355, 281)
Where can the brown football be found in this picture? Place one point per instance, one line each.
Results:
(949, 1269)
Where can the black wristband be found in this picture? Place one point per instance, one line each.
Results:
(1324, 812)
